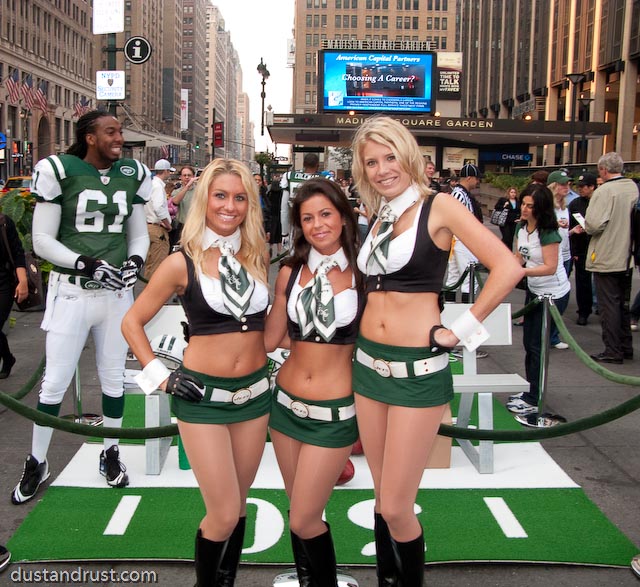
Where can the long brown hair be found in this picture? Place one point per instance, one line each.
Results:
(350, 236)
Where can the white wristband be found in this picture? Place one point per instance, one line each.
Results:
(469, 330)
(152, 376)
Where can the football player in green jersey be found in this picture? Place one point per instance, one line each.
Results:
(89, 222)
(289, 183)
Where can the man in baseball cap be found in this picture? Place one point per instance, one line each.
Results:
(590, 179)
(561, 177)
(579, 241)
(163, 165)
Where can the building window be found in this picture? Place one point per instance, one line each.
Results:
(338, 23)
(339, 4)
(436, 23)
(367, 22)
(316, 20)
(354, 22)
(429, 23)
(415, 23)
(398, 22)
(307, 97)
(345, 22)
(309, 17)
(444, 23)
(307, 77)
(376, 22)
(443, 43)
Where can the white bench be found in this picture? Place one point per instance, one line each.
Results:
(470, 383)
(157, 411)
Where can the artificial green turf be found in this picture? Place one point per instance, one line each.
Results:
(68, 524)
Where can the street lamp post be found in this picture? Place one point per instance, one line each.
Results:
(24, 164)
(575, 79)
(264, 72)
(584, 102)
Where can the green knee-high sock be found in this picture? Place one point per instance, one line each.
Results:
(112, 410)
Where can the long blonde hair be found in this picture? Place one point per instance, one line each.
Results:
(253, 248)
(394, 135)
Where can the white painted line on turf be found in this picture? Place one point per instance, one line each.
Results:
(504, 516)
(121, 518)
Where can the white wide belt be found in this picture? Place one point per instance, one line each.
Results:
(401, 369)
(240, 396)
(303, 410)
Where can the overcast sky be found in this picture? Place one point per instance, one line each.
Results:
(260, 28)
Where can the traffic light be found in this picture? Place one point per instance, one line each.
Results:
(197, 144)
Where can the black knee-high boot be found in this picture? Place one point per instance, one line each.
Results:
(207, 558)
(322, 559)
(303, 567)
(410, 561)
(385, 559)
(231, 559)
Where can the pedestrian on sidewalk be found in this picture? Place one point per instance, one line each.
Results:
(608, 221)
(538, 250)
(13, 285)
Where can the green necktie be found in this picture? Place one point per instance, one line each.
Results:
(237, 285)
(380, 244)
(315, 308)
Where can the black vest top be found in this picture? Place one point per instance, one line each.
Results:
(203, 319)
(426, 268)
(344, 334)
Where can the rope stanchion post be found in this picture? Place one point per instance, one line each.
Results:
(78, 416)
(471, 267)
(545, 340)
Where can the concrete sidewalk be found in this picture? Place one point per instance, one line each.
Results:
(605, 461)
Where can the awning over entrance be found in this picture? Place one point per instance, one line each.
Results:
(140, 138)
(338, 129)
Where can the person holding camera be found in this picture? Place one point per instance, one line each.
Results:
(182, 197)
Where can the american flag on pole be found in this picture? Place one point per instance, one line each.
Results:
(40, 96)
(81, 107)
(164, 151)
(27, 92)
(12, 83)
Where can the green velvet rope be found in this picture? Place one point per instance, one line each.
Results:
(623, 409)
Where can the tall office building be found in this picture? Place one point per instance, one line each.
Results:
(316, 21)
(171, 51)
(194, 63)
(49, 47)
(224, 91)
(556, 60)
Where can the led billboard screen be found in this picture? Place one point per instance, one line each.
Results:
(376, 81)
